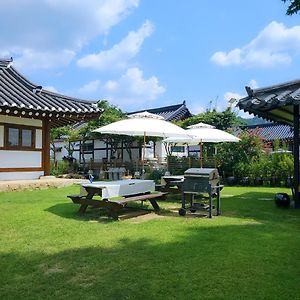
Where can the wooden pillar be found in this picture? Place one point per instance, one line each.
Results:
(46, 147)
(296, 156)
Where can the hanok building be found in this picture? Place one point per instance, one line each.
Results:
(27, 113)
(175, 112)
(279, 103)
(269, 133)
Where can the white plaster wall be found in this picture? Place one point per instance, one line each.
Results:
(20, 121)
(99, 154)
(20, 175)
(99, 144)
(20, 159)
(38, 138)
(1, 136)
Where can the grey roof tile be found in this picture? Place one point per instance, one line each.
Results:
(19, 93)
(273, 102)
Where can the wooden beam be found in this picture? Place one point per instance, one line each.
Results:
(29, 169)
(296, 156)
(46, 147)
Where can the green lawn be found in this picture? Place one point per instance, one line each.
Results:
(47, 251)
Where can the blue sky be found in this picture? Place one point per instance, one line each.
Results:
(141, 54)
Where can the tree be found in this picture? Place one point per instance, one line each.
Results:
(58, 133)
(293, 8)
(237, 157)
(221, 120)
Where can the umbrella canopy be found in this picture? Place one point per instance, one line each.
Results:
(202, 133)
(144, 123)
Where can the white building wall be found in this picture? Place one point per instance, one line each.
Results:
(20, 159)
(99, 154)
(20, 175)
(1, 136)
(14, 159)
(20, 121)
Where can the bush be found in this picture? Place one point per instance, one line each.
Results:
(156, 175)
(61, 167)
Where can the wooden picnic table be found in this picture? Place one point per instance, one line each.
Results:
(114, 207)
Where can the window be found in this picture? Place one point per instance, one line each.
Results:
(26, 138)
(13, 137)
(180, 149)
(19, 137)
(87, 146)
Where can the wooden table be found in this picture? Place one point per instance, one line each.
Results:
(113, 207)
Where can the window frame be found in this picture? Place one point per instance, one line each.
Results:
(20, 138)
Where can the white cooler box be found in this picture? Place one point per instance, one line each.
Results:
(121, 188)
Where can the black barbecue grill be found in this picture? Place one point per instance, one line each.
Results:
(201, 181)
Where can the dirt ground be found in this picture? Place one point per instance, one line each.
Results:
(21, 185)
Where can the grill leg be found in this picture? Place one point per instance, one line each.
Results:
(183, 200)
(218, 201)
(191, 199)
(210, 203)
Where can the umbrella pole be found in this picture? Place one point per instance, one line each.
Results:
(201, 144)
(143, 153)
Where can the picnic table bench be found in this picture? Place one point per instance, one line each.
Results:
(113, 207)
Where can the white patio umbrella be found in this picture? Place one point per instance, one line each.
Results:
(202, 133)
(144, 124)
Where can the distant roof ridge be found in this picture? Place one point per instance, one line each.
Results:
(177, 110)
(261, 125)
(160, 108)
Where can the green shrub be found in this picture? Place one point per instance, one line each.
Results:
(156, 175)
(61, 167)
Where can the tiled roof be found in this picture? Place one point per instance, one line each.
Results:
(169, 113)
(20, 97)
(270, 131)
(274, 102)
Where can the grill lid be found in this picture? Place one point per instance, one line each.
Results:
(200, 171)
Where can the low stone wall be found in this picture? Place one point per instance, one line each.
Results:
(21, 185)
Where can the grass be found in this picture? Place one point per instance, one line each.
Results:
(47, 251)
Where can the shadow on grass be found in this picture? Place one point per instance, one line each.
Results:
(259, 206)
(70, 211)
(217, 262)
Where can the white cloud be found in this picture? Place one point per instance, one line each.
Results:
(118, 56)
(55, 28)
(236, 96)
(90, 88)
(196, 109)
(130, 91)
(273, 46)
(32, 59)
(253, 84)
(230, 95)
(50, 88)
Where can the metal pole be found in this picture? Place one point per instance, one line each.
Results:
(296, 156)
(201, 164)
(143, 154)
